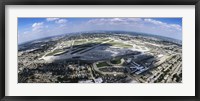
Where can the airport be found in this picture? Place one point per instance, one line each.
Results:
(113, 57)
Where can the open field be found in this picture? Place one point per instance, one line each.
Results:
(119, 44)
(102, 64)
(55, 52)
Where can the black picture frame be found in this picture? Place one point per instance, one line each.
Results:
(3, 3)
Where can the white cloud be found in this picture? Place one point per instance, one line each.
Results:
(135, 22)
(171, 26)
(26, 32)
(37, 26)
(51, 19)
(178, 27)
(139, 21)
(134, 19)
(154, 21)
(60, 26)
(145, 25)
(113, 21)
(61, 21)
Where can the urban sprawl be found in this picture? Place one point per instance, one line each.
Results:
(100, 57)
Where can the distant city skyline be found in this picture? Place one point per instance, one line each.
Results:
(36, 28)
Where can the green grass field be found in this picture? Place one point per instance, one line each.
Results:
(54, 52)
(79, 42)
(102, 64)
(119, 44)
(102, 39)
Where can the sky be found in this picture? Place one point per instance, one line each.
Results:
(36, 28)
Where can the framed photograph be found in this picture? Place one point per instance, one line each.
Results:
(99, 50)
